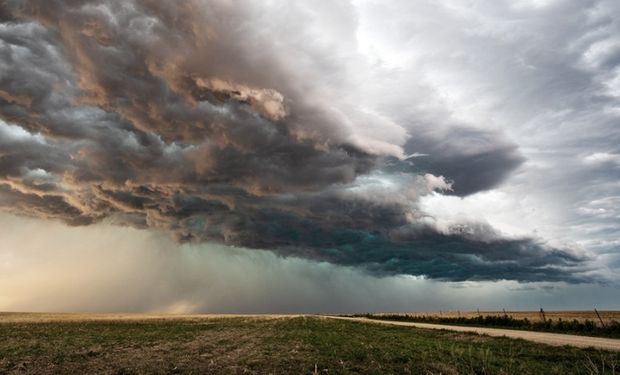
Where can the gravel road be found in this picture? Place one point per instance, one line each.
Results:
(556, 339)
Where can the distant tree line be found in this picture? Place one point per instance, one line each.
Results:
(585, 327)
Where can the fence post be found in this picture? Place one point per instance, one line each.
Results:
(599, 317)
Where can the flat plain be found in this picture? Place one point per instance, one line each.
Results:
(266, 344)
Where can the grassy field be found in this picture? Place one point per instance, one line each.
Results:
(272, 345)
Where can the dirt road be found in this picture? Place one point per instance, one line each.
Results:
(556, 339)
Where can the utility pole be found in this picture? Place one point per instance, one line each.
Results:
(599, 317)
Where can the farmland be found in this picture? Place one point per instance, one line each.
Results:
(128, 344)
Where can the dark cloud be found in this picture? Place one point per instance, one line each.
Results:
(420, 251)
(177, 116)
(474, 160)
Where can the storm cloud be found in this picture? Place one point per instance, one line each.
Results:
(221, 122)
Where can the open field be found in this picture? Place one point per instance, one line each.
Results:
(127, 344)
(18, 317)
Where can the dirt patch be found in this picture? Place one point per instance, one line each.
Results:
(209, 348)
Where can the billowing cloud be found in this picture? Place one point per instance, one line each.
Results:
(227, 123)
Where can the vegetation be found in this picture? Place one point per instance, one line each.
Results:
(586, 327)
(303, 345)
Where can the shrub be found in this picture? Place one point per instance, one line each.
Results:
(611, 329)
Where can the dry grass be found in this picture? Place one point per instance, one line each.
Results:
(21, 317)
(534, 316)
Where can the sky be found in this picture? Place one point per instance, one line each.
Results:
(294, 156)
